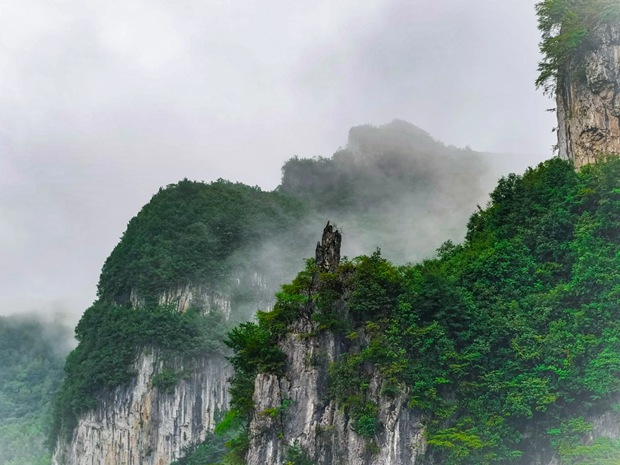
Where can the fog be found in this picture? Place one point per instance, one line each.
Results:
(101, 103)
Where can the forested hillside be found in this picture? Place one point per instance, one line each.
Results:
(507, 344)
(189, 234)
(197, 232)
(31, 369)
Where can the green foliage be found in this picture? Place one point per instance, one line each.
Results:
(255, 350)
(572, 449)
(566, 26)
(376, 286)
(290, 302)
(167, 379)
(234, 427)
(365, 421)
(193, 232)
(209, 452)
(109, 338)
(31, 360)
(296, 456)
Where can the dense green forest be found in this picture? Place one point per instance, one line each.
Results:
(506, 342)
(31, 360)
(192, 232)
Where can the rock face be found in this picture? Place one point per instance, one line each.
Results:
(142, 424)
(207, 299)
(294, 411)
(588, 100)
(184, 296)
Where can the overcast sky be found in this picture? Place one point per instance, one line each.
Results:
(104, 101)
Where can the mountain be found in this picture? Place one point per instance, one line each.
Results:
(148, 379)
(393, 174)
(502, 348)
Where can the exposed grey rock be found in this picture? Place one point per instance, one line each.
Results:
(140, 424)
(328, 250)
(296, 409)
(588, 102)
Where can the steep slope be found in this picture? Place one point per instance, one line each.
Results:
(502, 350)
(148, 377)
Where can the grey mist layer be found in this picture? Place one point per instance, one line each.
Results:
(101, 103)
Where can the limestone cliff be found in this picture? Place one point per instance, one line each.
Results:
(295, 411)
(142, 423)
(588, 99)
(297, 415)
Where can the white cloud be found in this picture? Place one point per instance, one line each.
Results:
(102, 102)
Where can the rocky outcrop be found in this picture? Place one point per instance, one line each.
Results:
(328, 250)
(588, 100)
(207, 299)
(294, 411)
(141, 424)
(183, 296)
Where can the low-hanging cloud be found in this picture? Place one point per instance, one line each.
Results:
(102, 102)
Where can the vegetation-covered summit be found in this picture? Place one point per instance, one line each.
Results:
(192, 232)
(381, 164)
(507, 343)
